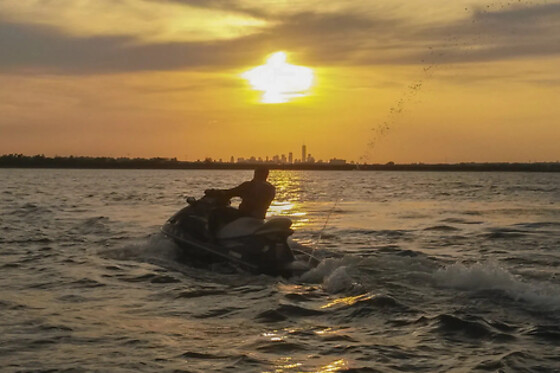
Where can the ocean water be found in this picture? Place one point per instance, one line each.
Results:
(420, 272)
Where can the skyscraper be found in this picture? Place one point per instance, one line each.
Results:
(303, 153)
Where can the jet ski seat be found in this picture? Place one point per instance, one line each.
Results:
(247, 226)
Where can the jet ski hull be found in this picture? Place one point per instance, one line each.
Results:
(256, 246)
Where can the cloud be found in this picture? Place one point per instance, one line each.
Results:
(366, 39)
(482, 35)
(335, 38)
(324, 38)
(504, 34)
(37, 48)
(226, 5)
(147, 21)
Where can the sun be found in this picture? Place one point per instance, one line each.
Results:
(279, 81)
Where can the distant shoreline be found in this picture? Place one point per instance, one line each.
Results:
(40, 161)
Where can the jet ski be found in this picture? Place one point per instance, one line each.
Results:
(254, 245)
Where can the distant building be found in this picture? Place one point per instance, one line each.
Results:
(291, 158)
(303, 153)
(337, 162)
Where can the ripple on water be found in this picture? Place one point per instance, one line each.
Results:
(545, 333)
(270, 316)
(153, 278)
(291, 310)
(30, 210)
(471, 327)
(280, 347)
(197, 293)
(382, 304)
(218, 312)
(96, 225)
(519, 361)
(504, 234)
(86, 283)
(442, 228)
(72, 298)
(461, 221)
(8, 305)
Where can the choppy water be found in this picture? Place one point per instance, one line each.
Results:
(423, 272)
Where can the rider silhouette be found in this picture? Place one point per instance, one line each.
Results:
(256, 197)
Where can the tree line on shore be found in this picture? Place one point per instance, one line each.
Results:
(41, 161)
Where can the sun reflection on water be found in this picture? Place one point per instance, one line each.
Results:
(287, 364)
(348, 301)
(288, 200)
(335, 366)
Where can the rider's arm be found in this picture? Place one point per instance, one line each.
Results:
(238, 191)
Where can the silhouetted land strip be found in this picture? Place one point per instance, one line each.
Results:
(40, 161)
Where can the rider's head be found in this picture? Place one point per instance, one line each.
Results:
(261, 173)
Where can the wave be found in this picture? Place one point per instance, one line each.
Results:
(461, 221)
(491, 276)
(30, 210)
(286, 312)
(155, 248)
(197, 293)
(217, 313)
(518, 361)
(548, 333)
(152, 278)
(280, 347)
(333, 274)
(504, 233)
(99, 225)
(469, 327)
(442, 228)
(372, 305)
(538, 225)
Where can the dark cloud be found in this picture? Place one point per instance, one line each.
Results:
(521, 14)
(29, 48)
(497, 35)
(225, 5)
(321, 39)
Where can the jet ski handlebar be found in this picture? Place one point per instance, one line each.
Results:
(214, 193)
(215, 197)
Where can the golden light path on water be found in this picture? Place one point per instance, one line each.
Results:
(279, 81)
(288, 365)
(287, 203)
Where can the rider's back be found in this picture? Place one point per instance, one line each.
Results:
(256, 197)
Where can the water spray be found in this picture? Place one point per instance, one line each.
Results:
(432, 63)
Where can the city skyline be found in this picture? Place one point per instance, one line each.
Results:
(306, 158)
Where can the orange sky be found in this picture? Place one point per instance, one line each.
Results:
(431, 81)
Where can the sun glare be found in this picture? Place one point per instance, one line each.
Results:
(278, 80)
